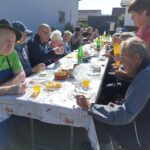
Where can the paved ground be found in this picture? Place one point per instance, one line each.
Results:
(55, 137)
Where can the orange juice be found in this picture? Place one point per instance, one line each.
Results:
(86, 83)
(36, 89)
(117, 49)
(117, 53)
(117, 63)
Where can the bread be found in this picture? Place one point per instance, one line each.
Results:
(61, 74)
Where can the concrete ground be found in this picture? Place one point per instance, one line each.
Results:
(16, 136)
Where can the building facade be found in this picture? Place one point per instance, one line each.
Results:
(127, 21)
(83, 14)
(56, 13)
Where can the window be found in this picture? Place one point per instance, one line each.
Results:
(61, 17)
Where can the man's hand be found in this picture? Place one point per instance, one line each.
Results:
(59, 50)
(18, 89)
(39, 67)
(123, 75)
(82, 101)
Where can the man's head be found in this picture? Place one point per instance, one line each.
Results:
(44, 32)
(67, 36)
(133, 51)
(23, 29)
(89, 30)
(140, 11)
(8, 37)
(78, 31)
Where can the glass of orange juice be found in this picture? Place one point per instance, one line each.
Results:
(86, 83)
(36, 89)
(117, 53)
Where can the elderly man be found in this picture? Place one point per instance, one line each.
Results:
(22, 50)
(127, 123)
(39, 48)
(11, 71)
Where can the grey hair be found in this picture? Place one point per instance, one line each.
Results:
(126, 35)
(55, 35)
(68, 32)
(135, 45)
(44, 25)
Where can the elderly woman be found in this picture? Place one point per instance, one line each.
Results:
(56, 43)
(66, 39)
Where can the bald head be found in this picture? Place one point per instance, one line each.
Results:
(44, 32)
(44, 25)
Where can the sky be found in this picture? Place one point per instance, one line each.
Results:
(104, 5)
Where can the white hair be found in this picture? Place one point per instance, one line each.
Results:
(68, 32)
(55, 35)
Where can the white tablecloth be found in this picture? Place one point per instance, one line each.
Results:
(56, 107)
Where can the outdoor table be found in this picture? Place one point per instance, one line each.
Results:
(58, 106)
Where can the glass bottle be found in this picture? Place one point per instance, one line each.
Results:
(80, 54)
(98, 43)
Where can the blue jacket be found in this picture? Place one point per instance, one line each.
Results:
(23, 55)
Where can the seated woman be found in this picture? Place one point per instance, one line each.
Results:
(66, 39)
(56, 43)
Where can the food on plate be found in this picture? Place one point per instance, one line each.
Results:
(42, 73)
(61, 74)
(53, 85)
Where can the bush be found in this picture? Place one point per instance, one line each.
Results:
(69, 26)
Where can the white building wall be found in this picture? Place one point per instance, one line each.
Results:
(128, 21)
(35, 12)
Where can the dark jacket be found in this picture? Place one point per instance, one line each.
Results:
(40, 52)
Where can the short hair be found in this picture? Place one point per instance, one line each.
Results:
(117, 34)
(135, 45)
(55, 35)
(126, 35)
(43, 25)
(140, 5)
(68, 32)
(77, 29)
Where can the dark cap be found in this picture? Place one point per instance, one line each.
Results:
(5, 24)
(21, 27)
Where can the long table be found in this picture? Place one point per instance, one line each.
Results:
(58, 106)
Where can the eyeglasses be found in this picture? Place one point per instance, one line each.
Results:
(46, 32)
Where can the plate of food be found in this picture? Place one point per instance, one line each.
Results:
(52, 85)
(61, 74)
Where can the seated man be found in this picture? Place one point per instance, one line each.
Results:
(127, 123)
(11, 71)
(76, 38)
(11, 74)
(39, 48)
(22, 50)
